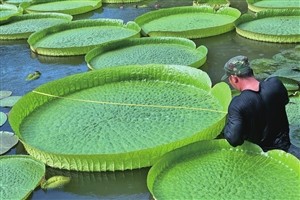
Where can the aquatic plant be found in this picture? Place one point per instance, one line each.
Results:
(119, 118)
(71, 7)
(260, 5)
(21, 27)
(215, 170)
(281, 26)
(20, 175)
(79, 37)
(7, 11)
(160, 50)
(188, 21)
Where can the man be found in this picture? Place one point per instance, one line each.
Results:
(258, 114)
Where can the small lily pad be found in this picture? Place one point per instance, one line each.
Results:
(7, 141)
(33, 76)
(5, 93)
(55, 182)
(3, 118)
(9, 101)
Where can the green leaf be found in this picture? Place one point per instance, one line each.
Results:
(20, 174)
(215, 170)
(3, 118)
(33, 76)
(259, 5)
(55, 182)
(78, 37)
(7, 11)
(160, 50)
(188, 21)
(119, 118)
(5, 93)
(9, 101)
(7, 141)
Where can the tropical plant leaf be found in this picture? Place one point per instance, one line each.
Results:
(3, 118)
(259, 5)
(215, 3)
(7, 141)
(5, 93)
(121, 1)
(9, 101)
(188, 21)
(279, 26)
(20, 27)
(293, 113)
(79, 37)
(33, 76)
(142, 51)
(289, 55)
(119, 118)
(16, 2)
(71, 7)
(7, 11)
(55, 182)
(20, 174)
(214, 169)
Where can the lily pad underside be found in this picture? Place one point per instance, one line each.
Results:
(281, 26)
(188, 21)
(20, 175)
(119, 118)
(215, 170)
(163, 50)
(71, 7)
(21, 27)
(79, 37)
(259, 5)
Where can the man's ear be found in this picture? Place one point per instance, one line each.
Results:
(234, 79)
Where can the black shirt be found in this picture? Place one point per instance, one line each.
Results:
(259, 117)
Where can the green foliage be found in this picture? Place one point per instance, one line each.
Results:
(55, 182)
(260, 5)
(78, 37)
(7, 141)
(188, 21)
(142, 51)
(5, 93)
(7, 11)
(3, 118)
(215, 170)
(119, 118)
(20, 174)
(121, 1)
(9, 101)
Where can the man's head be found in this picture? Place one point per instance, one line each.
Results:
(237, 66)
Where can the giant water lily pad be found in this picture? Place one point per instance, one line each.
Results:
(7, 141)
(162, 50)
(3, 118)
(71, 7)
(281, 26)
(259, 5)
(188, 21)
(20, 175)
(17, 2)
(7, 11)
(215, 170)
(79, 37)
(121, 1)
(20, 27)
(293, 113)
(119, 118)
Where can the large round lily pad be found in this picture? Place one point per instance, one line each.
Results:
(188, 21)
(7, 11)
(20, 175)
(142, 51)
(259, 5)
(281, 26)
(20, 27)
(215, 170)
(119, 118)
(71, 7)
(79, 37)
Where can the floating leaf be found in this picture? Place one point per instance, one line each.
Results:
(71, 7)
(20, 174)
(119, 118)
(5, 93)
(215, 170)
(259, 5)
(7, 141)
(9, 101)
(158, 50)
(188, 21)
(295, 135)
(33, 76)
(281, 26)
(79, 37)
(55, 182)
(3, 118)
(7, 11)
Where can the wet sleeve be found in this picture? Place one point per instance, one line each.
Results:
(233, 131)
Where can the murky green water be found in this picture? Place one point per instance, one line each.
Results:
(17, 61)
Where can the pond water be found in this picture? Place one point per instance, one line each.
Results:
(17, 61)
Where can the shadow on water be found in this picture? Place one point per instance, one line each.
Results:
(17, 61)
